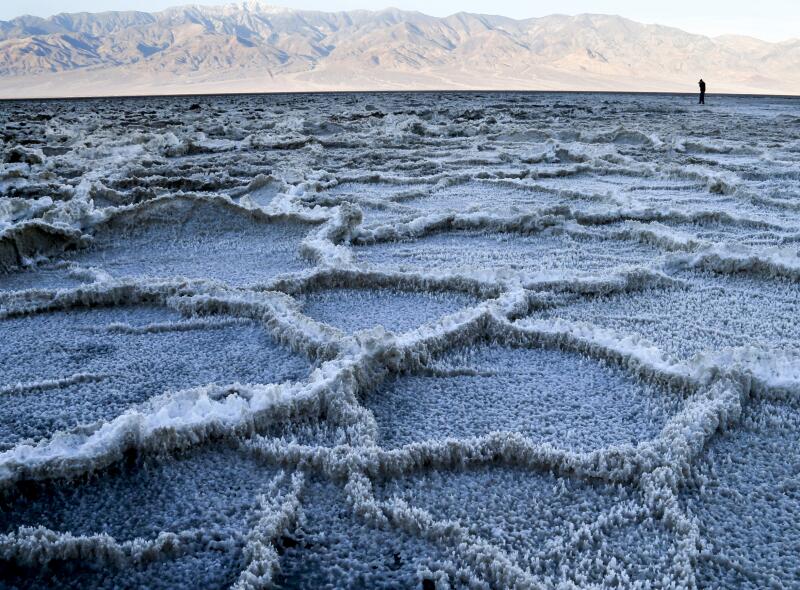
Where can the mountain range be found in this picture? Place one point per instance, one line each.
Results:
(254, 47)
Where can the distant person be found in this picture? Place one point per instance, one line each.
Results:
(702, 91)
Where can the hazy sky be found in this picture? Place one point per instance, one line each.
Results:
(774, 20)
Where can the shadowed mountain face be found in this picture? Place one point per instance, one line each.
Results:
(255, 47)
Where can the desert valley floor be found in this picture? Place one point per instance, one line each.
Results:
(400, 341)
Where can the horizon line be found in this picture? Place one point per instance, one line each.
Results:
(406, 91)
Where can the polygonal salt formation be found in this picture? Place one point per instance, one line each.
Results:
(559, 529)
(68, 368)
(46, 277)
(334, 548)
(743, 494)
(498, 196)
(197, 239)
(206, 498)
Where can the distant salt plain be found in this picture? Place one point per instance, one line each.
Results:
(490, 340)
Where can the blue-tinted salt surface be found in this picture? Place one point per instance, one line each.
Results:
(398, 311)
(747, 503)
(195, 242)
(470, 251)
(122, 366)
(331, 548)
(549, 395)
(558, 528)
(209, 491)
(635, 236)
(707, 313)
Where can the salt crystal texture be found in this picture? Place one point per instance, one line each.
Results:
(492, 340)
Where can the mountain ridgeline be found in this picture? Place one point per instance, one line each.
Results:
(255, 47)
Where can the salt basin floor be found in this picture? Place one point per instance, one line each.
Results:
(456, 340)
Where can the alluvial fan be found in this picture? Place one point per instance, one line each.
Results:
(454, 340)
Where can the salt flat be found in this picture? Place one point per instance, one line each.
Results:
(487, 340)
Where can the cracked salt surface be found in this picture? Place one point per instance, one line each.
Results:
(747, 504)
(468, 340)
(332, 548)
(207, 492)
(560, 528)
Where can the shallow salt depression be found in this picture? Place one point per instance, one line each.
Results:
(197, 240)
(63, 369)
(398, 311)
(706, 314)
(551, 396)
(472, 251)
(439, 340)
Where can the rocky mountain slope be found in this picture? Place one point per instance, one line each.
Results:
(255, 47)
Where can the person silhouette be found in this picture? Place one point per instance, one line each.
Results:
(702, 91)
